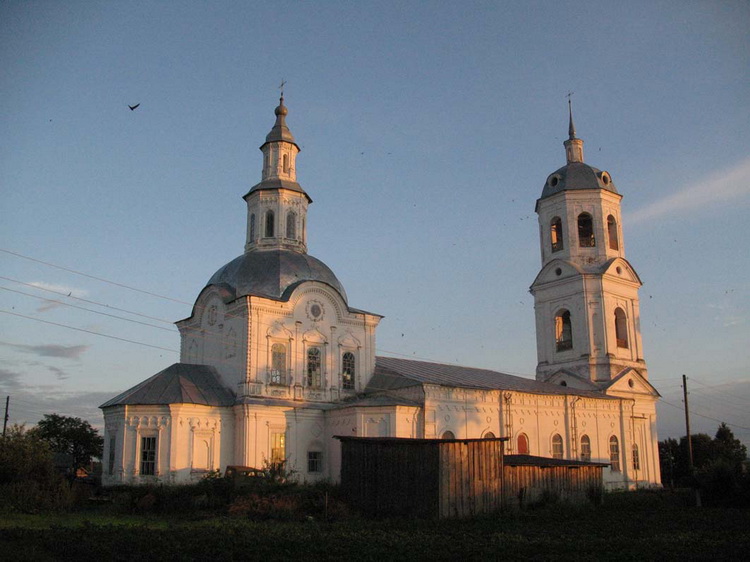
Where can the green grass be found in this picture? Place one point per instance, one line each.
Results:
(626, 527)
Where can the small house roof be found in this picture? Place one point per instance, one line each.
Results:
(181, 383)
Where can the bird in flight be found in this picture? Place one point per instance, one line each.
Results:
(134, 107)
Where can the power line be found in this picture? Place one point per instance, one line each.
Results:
(706, 417)
(86, 331)
(70, 296)
(115, 283)
(89, 310)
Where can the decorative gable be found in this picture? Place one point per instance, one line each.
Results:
(630, 382)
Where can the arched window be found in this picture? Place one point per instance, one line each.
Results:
(614, 454)
(557, 446)
(612, 233)
(291, 225)
(585, 448)
(278, 364)
(563, 331)
(285, 161)
(269, 224)
(347, 370)
(555, 232)
(636, 458)
(314, 376)
(488, 435)
(447, 435)
(252, 228)
(621, 328)
(586, 231)
(522, 444)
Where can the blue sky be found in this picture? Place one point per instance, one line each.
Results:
(427, 131)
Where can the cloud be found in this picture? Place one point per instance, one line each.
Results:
(718, 188)
(9, 379)
(50, 350)
(60, 289)
(59, 373)
(49, 305)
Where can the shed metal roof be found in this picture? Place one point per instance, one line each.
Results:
(531, 460)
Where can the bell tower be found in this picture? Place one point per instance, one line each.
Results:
(586, 294)
(277, 206)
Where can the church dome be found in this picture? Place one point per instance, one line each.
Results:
(273, 274)
(577, 175)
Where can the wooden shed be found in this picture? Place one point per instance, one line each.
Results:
(529, 479)
(435, 478)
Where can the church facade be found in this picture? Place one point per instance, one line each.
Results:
(274, 361)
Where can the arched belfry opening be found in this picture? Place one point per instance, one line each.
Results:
(614, 243)
(586, 237)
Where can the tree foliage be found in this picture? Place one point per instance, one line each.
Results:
(24, 456)
(28, 479)
(71, 436)
(724, 451)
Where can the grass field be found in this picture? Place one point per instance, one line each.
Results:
(626, 527)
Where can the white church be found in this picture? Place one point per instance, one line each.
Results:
(275, 362)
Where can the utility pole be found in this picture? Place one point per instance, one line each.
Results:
(687, 423)
(690, 441)
(5, 420)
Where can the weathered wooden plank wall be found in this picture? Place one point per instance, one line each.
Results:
(425, 478)
(525, 484)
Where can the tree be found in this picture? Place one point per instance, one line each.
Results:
(707, 452)
(728, 447)
(28, 479)
(72, 436)
(24, 456)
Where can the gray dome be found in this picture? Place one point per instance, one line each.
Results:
(273, 274)
(577, 175)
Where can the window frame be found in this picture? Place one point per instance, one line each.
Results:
(636, 454)
(311, 376)
(277, 446)
(621, 328)
(269, 228)
(278, 376)
(148, 455)
(527, 446)
(291, 225)
(556, 234)
(558, 448)
(614, 454)
(613, 240)
(111, 455)
(348, 370)
(563, 330)
(585, 453)
(315, 462)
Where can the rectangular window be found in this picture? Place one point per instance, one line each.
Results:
(314, 461)
(636, 458)
(111, 460)
(148, 456)
(278, 447)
